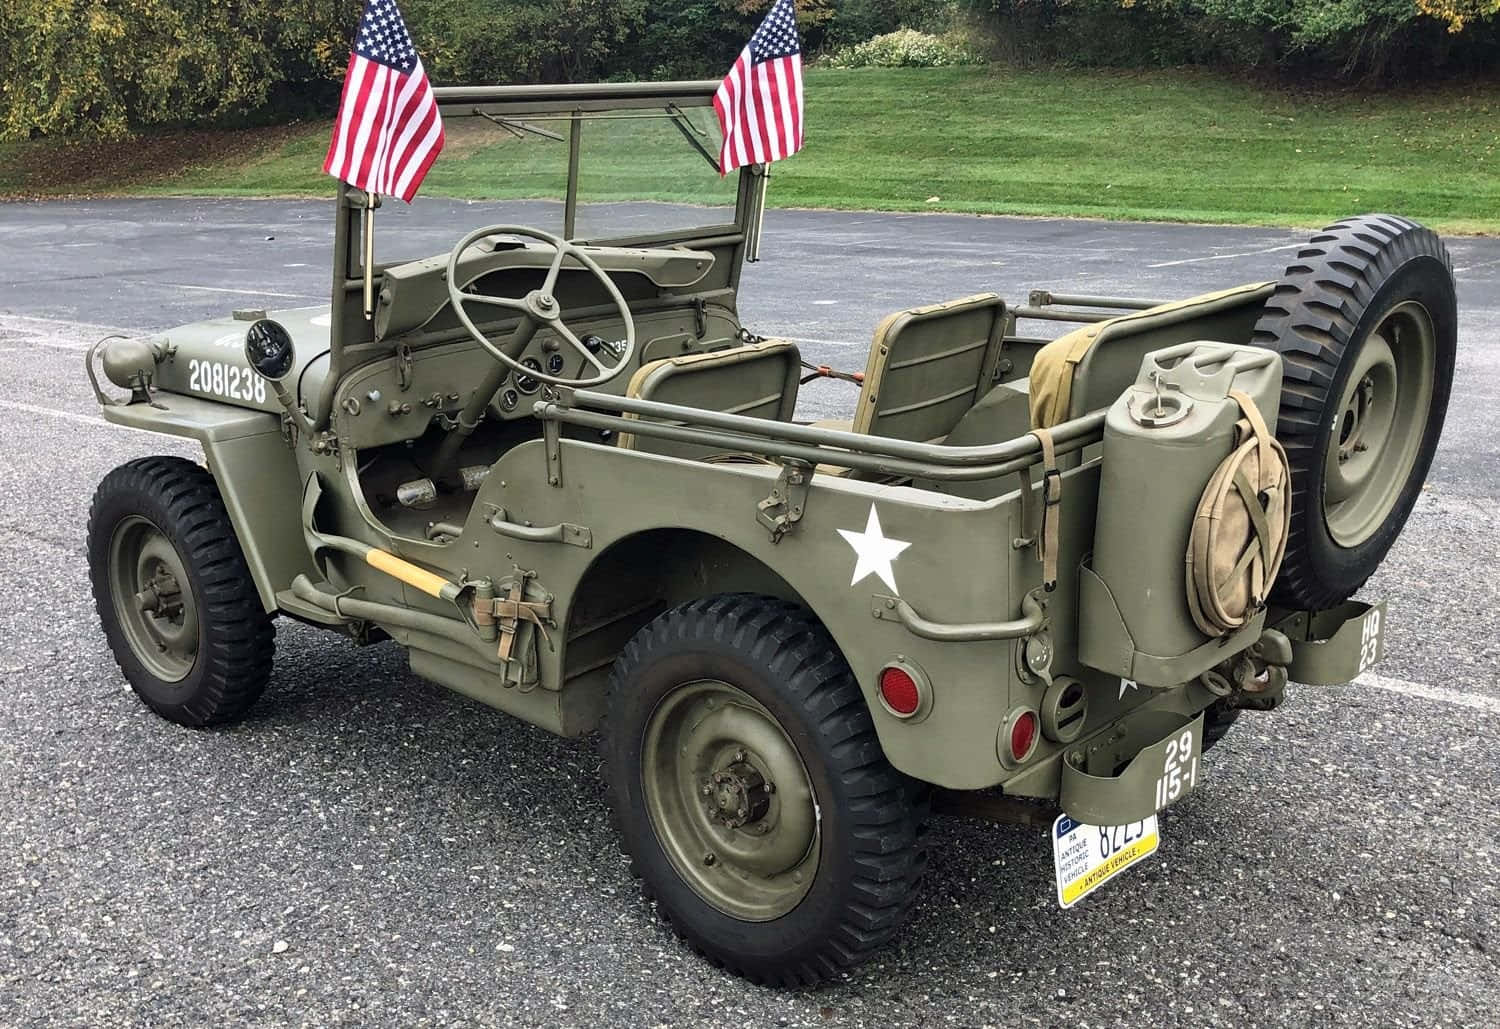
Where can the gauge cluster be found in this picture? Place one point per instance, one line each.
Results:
(544, 356)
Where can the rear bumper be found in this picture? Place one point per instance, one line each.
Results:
(1167, 766)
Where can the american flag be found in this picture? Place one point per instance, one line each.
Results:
(759, 103)
(388, 132)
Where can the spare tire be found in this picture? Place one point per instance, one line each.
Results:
(1366, 322)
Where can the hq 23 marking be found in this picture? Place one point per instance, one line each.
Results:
(1369, 642)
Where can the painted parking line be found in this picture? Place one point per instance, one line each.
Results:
(815, 342)
(1227, 257)
(67, 416)
(1441, 694)
(222, 289)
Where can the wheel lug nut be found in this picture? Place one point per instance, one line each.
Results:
(709, 859)
(739, 756)
(708, 788)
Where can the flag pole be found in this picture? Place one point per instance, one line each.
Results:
(371, 202)
(753, 250)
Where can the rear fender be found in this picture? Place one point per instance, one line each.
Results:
(256, 473)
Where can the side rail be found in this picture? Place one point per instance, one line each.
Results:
(811, 444)
(1044, 305)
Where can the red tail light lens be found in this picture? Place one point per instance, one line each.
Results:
(1023, 736)
(899, 691)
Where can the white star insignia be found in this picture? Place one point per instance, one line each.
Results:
(874, 552)
(1127, 684)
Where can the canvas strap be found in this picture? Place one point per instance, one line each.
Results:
(1230, 572)
(1052, 489)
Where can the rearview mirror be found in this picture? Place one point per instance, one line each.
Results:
(269, 350)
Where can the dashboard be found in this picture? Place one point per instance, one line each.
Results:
(398, 398)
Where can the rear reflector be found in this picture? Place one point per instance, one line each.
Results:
(899, 691)
(1023, 736)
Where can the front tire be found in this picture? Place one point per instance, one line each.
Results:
(744, 774)
(173, 592)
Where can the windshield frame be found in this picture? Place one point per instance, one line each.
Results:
(575, 103)
(536, 108)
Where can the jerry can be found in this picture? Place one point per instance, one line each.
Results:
(1163, 439)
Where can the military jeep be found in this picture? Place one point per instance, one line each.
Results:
(1031, 575)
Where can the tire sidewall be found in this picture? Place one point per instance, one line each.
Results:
(774, 943)
(1426, 280)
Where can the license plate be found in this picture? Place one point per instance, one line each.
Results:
(1088, 856)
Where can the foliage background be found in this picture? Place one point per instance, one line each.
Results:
(110, 68)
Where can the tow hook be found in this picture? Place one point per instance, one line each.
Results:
(1255, 679)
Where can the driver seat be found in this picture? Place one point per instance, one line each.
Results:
(758, 380)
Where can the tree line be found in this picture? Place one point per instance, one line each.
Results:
(110, 68)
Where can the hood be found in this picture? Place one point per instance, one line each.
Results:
(207, 359)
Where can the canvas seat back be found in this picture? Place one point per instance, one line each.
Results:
(928, 366)
(1088, 368)
(758, 380)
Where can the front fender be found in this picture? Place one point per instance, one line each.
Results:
(256, 473)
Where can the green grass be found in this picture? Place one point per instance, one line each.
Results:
(1178, 146)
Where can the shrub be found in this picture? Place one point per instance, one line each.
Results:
(904, 48)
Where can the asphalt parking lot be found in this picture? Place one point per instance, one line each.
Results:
(371, 849)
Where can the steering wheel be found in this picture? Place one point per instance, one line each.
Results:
(540, 308)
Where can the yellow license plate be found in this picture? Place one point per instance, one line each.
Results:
(1085, 857)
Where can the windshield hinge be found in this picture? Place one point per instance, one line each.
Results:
(788, 500)
(519, 128)
(691, 133)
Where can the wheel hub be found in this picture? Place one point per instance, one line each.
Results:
(1380, 418)
(738, 795)
(162, 595)
(730, 800)
(1351, 425)
(156, 610)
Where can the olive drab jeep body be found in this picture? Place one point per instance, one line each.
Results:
(1030, 574)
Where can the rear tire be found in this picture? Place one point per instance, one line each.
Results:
(1217, 721)
(1366, 322)
(787, 886)
(179, 608)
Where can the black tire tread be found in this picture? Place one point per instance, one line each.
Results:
(1311, 319)
(888, 809)
(238, 634)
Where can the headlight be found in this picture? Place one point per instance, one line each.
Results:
(129, 363)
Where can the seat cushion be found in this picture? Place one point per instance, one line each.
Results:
(1059, 366)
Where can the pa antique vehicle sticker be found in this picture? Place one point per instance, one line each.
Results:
(1088, 856)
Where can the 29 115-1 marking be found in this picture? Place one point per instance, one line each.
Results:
(226, 380)
(1179, 772)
